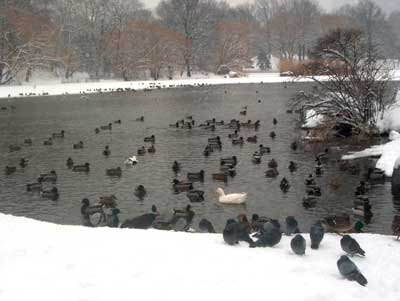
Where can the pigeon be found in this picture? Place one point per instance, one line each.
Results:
(235, 232)
(270, 236)
(349, 270)
(298, 244)
(206, 226)
(351, 246)
(291, 226)
(316, 235)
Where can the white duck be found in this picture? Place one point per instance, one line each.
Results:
(233, 198)
(131, 161)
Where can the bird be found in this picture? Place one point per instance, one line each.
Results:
(351, 246)
(206, 226)
(284, 185)
(350, 271)
(235, 232)
(195, 196)
(176, 167)
(233, 198)
(317, 233)
(131, 161)
(291, 226)
(140, 192)
(298, 244)
(270, 236)
(396, 226)
(292, 166)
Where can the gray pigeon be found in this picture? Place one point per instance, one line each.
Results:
(349, 270)
(235, 232)
(291, 226)
(270, 236)
(317, 233)
(298, 245)
(351, 246)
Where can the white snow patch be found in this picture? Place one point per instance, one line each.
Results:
(47, 262)
(312, 119)
(389, 153)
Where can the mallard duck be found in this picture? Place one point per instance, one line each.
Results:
(234, 135)
(48, 142)
(106, 127)
(81, 168)
(256, 159)
(244, 112)
(252, 139)
(309, 201)
(176, 167)
(238, 141)
(34, 187)
(214, 140)
(363, 210)
(272, 173)
(96, 130)
(337, 223)
(49, 177)
(140, 192)
(23, 162)
(196, 176)
(78, 145)
(233, 198)
(58, 135)
(131, 161)
(229, 161)
(275, 121)
(272, 134)
(107, 151)
(151, 139)
(117, 121)
(50, 194)
(309, 181)
(292, 166)
(114, 172)
(273, 164)
(284, 185)
(141, 151)
(264, 149)
(151, 149)
(108, 201)
(28, 141)
(10, 170)
(141, 119)
(222, 176)
(70, 162)
(14, 148)
(180, 186)
(293, 145)
(195, 196)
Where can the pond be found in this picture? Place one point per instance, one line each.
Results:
(37, 118)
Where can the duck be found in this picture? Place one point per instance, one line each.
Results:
(81, 168)
(364, 210)
(144, 221)
(214, 146)
(187, 126)
(221, 176)
(176, 167)
(361, 189)
(187, 214)
(96, 130)
(108, 201)
(292, 166)
(252, 139)
(9, 170)
(14, 148)
(396, 226)
(293, 145)
(309, 181)
(272, 163)
(275, 121)
(337, 223)
(256, 159)
(195, 196)
(284, 185)
(131, 161)
(244, 112)
(151, 139)
(233, 198)
(215, 140)
(151, 149)
(234, 135)
(70, 162)
(196, 176)
(28, 141)
(48, 142)
(114, 172)
(206, 226)
(272, 173)
(141, 119)
(313, 191)
(50, 194)
(229, 160)
(324, 156)
(23, 162)
(272, 134)
(140, 192)
(58, 135)
(106, 151)
(34, 187)
(49, 177)
(106, 127)
(264, 149)
(318, 168)
(141, 151)
(180, 186)
(78, 145)
(309, 201)
(117, 121)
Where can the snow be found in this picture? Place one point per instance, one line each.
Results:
(391, 119)
(42, 261)
(389, 154)
(91, 87)
(312, 120)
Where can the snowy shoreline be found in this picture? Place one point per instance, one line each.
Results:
(43, 261)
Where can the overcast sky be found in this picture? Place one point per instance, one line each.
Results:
(388, 5)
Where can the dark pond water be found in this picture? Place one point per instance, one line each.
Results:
(37, 118)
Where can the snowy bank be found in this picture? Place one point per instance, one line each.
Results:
(42, 261)
(389, 153)
(107, 86)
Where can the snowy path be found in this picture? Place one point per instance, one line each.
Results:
(42, 261)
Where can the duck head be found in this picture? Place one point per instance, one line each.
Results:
(220, 192)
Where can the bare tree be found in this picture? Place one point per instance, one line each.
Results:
(358, 87)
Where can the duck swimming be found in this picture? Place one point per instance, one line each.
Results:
(272, 173)
(264, 149)
(141, 151)
(151, 149)
(195, 196)
(180, 186)
(221, 176)
(34, 187)
(50, 194)
(114, 172)
(151, 139)
(273, 163)
(233, 198)
(106, 151)
(49, 177)
(70, 162)
(140, 192)
(284, 185)
(256, 159)
(81, 168)
(131, 161)
(176, 167)
(78, 145)
(292, 166)
(196, 176)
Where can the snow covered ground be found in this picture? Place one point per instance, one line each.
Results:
(42, 261)
(91, 87)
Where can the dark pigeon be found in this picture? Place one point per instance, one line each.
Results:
(270, 236)
(291, 226)
(206, 226)
(351, 246)
(298, 245)
(235, 232)
(349, 270)
(144, 221)
(317, 233)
